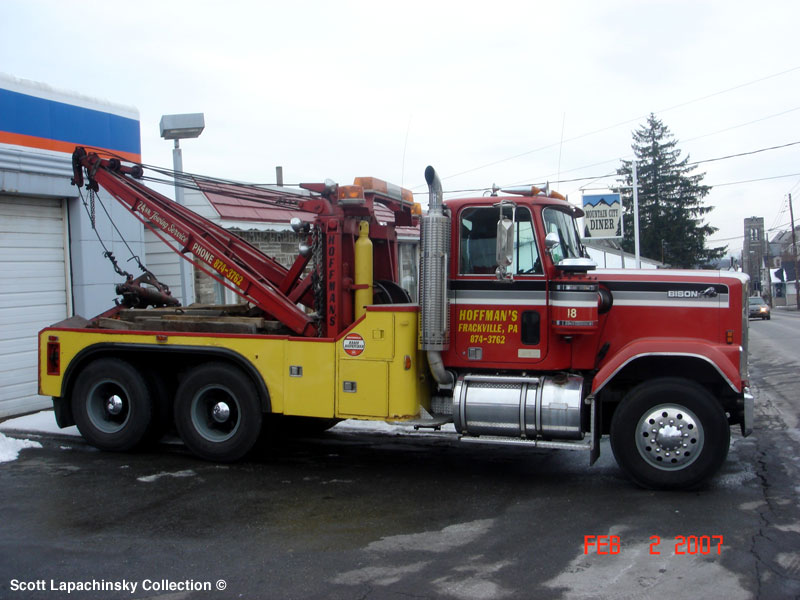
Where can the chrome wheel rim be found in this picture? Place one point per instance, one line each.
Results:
(669, 437)
(215, 413)
(108, 407)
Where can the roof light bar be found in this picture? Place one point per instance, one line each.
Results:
(532, 190)
(378, 186)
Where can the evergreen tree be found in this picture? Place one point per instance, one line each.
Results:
(671, 207)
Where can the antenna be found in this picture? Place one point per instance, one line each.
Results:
(560, 148)
(405, 145)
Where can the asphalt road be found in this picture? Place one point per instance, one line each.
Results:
(351, 515)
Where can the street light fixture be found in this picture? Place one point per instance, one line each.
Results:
(181, 127)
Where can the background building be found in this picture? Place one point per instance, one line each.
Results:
(753, 254)
(783, 268)
(51, 262)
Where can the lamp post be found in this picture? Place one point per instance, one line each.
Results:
(181, 127)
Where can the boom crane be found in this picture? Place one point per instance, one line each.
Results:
(258, 278)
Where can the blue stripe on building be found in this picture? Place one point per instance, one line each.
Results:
(28, 115)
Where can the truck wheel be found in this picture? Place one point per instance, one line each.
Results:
(669, 433)
(112, 405)
(217, 412)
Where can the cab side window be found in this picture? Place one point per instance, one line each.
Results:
(478, 241)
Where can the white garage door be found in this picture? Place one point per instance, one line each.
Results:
(32, 293)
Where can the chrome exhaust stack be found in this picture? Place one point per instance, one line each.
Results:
(434, 322)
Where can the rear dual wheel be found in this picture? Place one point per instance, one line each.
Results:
(217, 412)
(112, 404)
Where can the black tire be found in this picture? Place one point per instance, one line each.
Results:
(112, 404)
(669, 433)
(217, 412)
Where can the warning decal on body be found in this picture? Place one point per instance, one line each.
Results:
(353, 344)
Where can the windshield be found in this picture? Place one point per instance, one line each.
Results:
(563, 224)
(756, 300)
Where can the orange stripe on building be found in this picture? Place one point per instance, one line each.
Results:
(31, 141)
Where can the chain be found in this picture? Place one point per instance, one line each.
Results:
(318, 278)
(91, 208)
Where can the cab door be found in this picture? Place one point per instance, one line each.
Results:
(498, 322)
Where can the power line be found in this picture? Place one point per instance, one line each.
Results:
(547, 177)
(628, 121)
(732, 127)
(780, 212)
(699, 162)
(739, 237)
(713, 185)
(755, 180)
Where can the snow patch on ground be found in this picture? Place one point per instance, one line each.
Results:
(394, 428)
(152, 478)
(790, 561)
(379, 575)
(41, 422)
(45, 422)
(472, 579)
(10, 447)
(454, 536)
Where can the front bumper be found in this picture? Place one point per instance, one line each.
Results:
(748, 410)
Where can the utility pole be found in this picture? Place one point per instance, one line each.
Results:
(636, 216)
(794, 253)
(769, 271)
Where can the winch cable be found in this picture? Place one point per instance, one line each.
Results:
(255, 192)
(90, 210)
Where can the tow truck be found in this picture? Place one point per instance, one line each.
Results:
(516, 338)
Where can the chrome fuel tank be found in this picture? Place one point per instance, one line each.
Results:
(521, 407)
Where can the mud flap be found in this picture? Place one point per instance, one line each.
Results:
(63, 412)
(595, 432)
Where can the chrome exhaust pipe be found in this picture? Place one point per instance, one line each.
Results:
(435, 194)
(434, 322)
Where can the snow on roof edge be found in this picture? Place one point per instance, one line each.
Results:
(43, 90)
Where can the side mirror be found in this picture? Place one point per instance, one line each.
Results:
(504, 253)
(505, 242)
(551, 241)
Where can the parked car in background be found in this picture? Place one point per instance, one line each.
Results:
(758, 308)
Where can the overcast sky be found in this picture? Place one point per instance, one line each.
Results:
(487, 92)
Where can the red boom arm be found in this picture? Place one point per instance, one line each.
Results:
(243, 268)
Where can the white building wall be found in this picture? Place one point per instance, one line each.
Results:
(53, 265)
(611, 259)
(93, 275)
